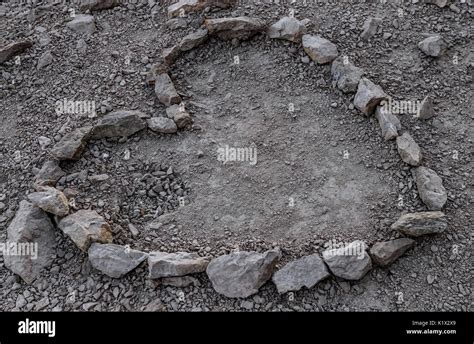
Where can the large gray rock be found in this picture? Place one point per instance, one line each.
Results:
(288, 28)
(430, 188)
(71, 146)
(32, 234)
(319, 49)
(50, 200)
(49, 174)
(304, 272)
(346, 75)
(236, 27)
(163, 264)
(350, 262)
(422, 223)
(85, 227)
(439, 3)
(122, 123)
(82, 23)
(433, 46)
(155, 70)
(426, 109)
(386, 252)
(162, 125)
(96, 5)
(241, 274)
(369, 29)
(389, 123)
(165, 91)
(408, 149)
(12, 49)
(193, 40)
(368, 96)
(115, 260)
(179, 115)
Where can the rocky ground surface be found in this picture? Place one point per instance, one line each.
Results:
(324, 172)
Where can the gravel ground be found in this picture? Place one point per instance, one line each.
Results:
(323, 172)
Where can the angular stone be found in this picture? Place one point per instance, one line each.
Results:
(162, 125)
(433, 46)
(193, 40)
(346, 75)
(176, 23)
(155, 70)
(237, 27)
(32, 232)
(179, 115)
(115, 260)
(430, 188)
(165, 91)
(50, 200)
(350, 262)
(369, 29)
(319, 49)
(439, 3)
(241, 274)
(170, 55)
(304, 272)
(45, 60)
(288, 28)
(426, 110)
(368, 96)
(122, 123)
(12, 49)
(386, 252)
(49, 174)
(71, 146)
(85, 227)
(97, 5)
(409, 150)
(422, 223)
(163, 264)
(389, 123)
(82, 23)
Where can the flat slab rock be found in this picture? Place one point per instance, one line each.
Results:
(236, 27)
(71, 146)
(193, 40)
(346, 75)
(350, 261)
(163, 264)
(122, 123)
(287, 28)
(14, 48)
(85, 227)
(430, 188)
(304, 272)
(31, 226)
(319, 49)
(386, 252)
(409, 150)
(421, 223)
(368, 96)
(51, 201)
(114, 260)
(241, 274)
